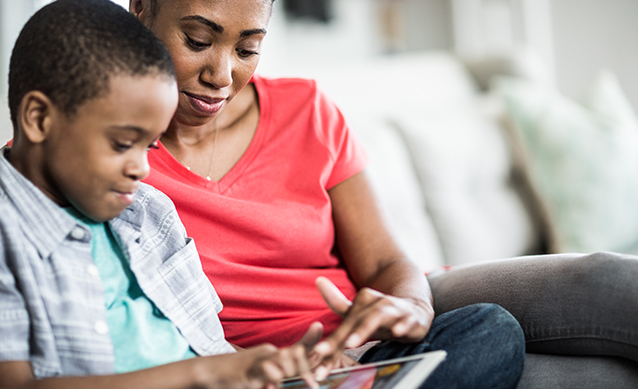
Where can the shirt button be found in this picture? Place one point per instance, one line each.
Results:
(101, 328)
(77, 233)
(93, 270)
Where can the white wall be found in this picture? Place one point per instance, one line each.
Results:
(594, 34)
(582, 37)
(588, 35)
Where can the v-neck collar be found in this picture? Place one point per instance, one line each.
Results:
(244, 161)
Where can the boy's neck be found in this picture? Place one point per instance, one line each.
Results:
(30, 164)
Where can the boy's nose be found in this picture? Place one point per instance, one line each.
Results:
(138, 169)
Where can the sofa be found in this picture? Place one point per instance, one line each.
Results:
(474, 161)
(461, 179)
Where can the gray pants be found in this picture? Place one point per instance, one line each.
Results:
(579, 313)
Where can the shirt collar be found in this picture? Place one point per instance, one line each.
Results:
(47, 223)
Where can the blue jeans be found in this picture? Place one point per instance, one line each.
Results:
(485, 346)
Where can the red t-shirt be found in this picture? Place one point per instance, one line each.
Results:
(265, 230)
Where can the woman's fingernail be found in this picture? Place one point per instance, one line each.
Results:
(353, 340)
(322, 348)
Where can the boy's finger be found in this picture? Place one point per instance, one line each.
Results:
(272, 372)
(303, 368)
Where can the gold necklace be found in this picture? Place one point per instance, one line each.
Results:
(212, 156)
(232, 124)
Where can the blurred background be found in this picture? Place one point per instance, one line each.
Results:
(575, 38)
(408, 77)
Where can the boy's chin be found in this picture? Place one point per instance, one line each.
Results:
(103, 215)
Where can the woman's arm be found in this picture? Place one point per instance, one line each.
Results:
(395, 300)
(258, 367)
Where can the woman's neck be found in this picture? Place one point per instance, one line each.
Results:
(229, 119)
(213, 149)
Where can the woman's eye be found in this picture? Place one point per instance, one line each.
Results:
(246, 53)
(197, 45)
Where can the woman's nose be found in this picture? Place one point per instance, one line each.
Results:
(219, 70)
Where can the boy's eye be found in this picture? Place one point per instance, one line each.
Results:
(194, 44)
(154, 145)
(121, 147)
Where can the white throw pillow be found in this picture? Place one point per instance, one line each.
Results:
(464, 166)
(583, 160)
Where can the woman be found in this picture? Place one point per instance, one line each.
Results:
(266, 177)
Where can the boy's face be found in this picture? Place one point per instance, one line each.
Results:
(95, 159)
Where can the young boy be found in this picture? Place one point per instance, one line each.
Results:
(97, 276)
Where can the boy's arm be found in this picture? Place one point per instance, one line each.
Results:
(253, 368)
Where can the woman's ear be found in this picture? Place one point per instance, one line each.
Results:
(35, 116)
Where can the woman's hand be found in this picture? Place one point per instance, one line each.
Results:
(371, 314)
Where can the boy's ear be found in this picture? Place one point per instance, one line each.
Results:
(35, 116)
(140, 8)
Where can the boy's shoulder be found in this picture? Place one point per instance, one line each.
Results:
(152, 211)
(9, 215)
(150, 201)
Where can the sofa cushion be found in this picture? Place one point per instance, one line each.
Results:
(463, 163)
(399, 197)
(582, 158)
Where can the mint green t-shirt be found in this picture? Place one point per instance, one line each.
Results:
(142, 336)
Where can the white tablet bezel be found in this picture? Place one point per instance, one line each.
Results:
(419, 372)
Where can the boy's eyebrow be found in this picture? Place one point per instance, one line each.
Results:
(124, 127)
(219, 29)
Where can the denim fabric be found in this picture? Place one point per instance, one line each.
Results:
(485, 346)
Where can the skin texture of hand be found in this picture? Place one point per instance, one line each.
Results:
(254, 368)
(371, 315)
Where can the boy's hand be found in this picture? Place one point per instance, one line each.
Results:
(309, 341)
(371, 314)
(268, 366)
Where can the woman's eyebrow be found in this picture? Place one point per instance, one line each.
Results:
(219, 29)
(255, 31)
(214, 26)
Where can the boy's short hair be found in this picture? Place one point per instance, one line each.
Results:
(70, 49)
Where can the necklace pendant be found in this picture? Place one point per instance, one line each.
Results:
(208, 178)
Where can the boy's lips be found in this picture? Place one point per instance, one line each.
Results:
(126, 197)
(205, 104)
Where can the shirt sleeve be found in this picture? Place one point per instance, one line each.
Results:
(348, 154)
(14, 317)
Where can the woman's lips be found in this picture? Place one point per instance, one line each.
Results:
(203, 104)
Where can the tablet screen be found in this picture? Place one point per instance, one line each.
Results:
(381, 375)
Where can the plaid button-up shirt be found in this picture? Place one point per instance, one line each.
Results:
(52, 310)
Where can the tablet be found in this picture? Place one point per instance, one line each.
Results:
(400, 373)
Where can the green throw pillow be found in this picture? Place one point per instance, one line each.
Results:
(582, 159)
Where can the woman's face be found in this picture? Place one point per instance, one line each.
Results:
(215, 45)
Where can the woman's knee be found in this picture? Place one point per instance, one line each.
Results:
(485, 344)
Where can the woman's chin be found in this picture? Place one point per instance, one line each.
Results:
(192, 120)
